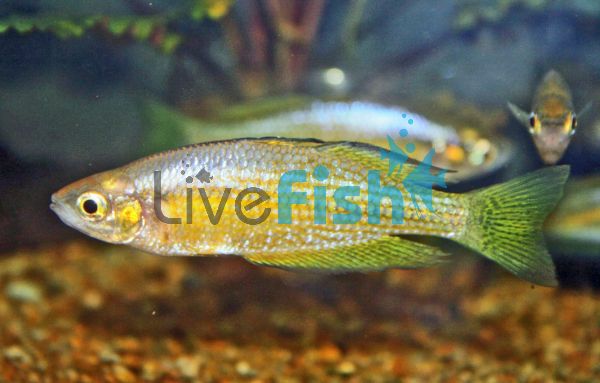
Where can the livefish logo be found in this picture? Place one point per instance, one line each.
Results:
(204, 176)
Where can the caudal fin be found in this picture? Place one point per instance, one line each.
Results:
(505, 223)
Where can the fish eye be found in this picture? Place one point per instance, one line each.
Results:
(534, 124)
(92, 205)
(532, 120)
(570, 124)
(573, 125)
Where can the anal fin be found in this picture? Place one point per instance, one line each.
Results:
(378, 254)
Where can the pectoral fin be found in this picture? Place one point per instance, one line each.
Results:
(520, 114)
(585, 109)
(378, 254)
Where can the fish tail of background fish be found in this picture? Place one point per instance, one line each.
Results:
(506, 223)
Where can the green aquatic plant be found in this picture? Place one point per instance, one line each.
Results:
(155, 28)
(474, 13)
(269, 40)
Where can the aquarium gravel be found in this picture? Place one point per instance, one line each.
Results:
(85, 312)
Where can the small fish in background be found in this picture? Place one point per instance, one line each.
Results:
(552, 121)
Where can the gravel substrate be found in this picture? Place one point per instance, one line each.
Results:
(85, 312)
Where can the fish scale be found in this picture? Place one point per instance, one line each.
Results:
(238, 165)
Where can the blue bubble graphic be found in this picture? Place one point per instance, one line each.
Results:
(321, 173)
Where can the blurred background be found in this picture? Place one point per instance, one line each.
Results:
(87, 86)
(77, 78)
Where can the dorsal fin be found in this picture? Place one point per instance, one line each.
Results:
(376, 158)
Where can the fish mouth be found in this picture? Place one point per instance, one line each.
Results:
(54, 205)
(63, 213)
(551, 158)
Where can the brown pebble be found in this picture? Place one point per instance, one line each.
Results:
(244, 369)
(92, 300)
(400, 367)
(128, 344)
(23, 291)
(150, 370)
(107, 355)
(17, 354)
(189, 366)
(72, 375)
(33, 377)
(329, 353)
(346, 368)
(123, 375)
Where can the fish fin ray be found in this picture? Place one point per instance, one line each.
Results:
(585, 109)
(521, 115)
(505, 223)
(372, 156)
(377, 254)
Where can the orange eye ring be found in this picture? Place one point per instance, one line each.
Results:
(534, 123)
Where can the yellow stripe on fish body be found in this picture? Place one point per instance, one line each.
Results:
(264, 172)
(482, 220)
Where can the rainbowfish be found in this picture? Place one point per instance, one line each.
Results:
(308, 204)
(470, 152)
(553, 121)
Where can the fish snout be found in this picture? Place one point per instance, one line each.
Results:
(54, 202)
(551, 147)
(551, 157)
